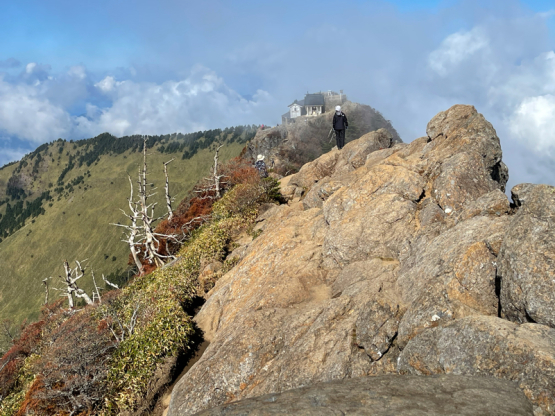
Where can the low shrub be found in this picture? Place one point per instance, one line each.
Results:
(73, 369)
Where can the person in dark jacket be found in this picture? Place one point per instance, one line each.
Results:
(340, 124)
(261, 166)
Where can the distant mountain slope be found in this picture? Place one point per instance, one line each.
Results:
(58, 202)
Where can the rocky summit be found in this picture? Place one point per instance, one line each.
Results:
(391, 265)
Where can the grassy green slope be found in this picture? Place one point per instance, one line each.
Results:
(77, 225)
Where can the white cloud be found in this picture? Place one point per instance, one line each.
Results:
(106, 85)
(200, 101)
(531, 78)
(27, 115)
(456, 48)
(533, 123)
(29, 68)
(513, 84)
(77, 71)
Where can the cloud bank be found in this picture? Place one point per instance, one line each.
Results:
(251, 63)
(32, 109)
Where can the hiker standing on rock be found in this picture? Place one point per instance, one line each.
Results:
(340, 124)
(261, 166)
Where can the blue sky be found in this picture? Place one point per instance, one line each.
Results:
(76, 69)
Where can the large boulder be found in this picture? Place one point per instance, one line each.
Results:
(389, 395)
(354, 154)
(527, 257)
(337, 163)
(485, 345)
(464, 157)
(279, 321)
(314, 171)
(374, 216)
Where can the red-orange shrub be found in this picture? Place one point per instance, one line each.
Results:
(12, 361)
(73, 367)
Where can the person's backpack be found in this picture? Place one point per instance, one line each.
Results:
(261, 168)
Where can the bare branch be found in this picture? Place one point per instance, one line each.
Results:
(45, 281)
(109, 283)
(215, 173)
(7, 325)
(96, 292)
(133, 320)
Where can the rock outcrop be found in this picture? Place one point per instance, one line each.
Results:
(389, 395)
(388, 258)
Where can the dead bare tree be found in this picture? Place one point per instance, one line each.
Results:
(213, 190)
(96, 293)
(151, 243)
(70, 278)
(215, 175)
(141, 234)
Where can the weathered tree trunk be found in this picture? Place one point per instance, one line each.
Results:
(168, 198)
(133, 230)
(45, 281)
(215, 175)
(151, 243)
(214, 188)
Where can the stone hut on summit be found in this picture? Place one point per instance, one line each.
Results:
(296, 109)
(313, 105)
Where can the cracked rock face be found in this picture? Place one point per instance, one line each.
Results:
(389, 257)
(527, 257)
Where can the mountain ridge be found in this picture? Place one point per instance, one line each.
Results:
(86, 184)
(388, 259)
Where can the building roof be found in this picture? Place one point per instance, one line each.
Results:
(298, 102)
(286, 115)
(314, 99)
